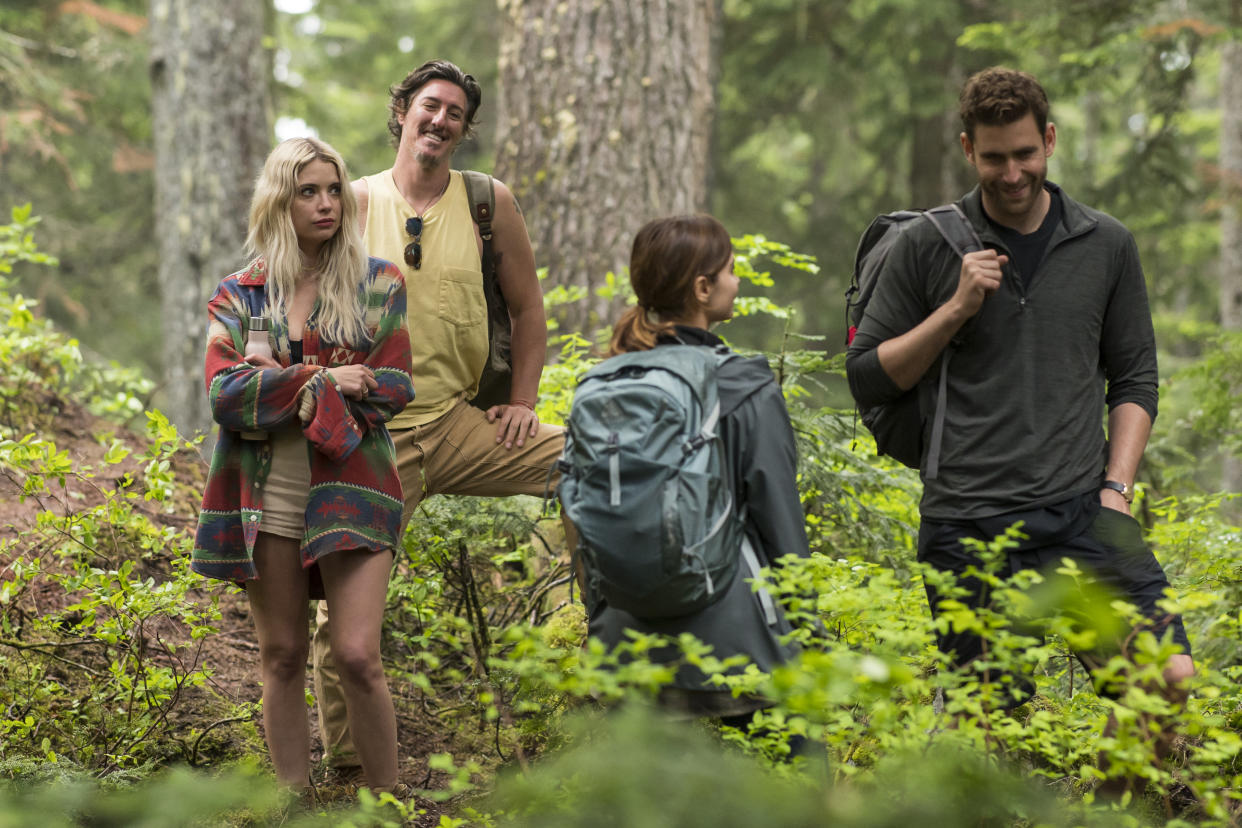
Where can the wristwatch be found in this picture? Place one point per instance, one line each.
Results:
(1122, 489)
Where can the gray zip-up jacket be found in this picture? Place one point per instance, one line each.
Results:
(1028, 386)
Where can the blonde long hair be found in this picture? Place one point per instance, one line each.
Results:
(668, 255)
(342, 259)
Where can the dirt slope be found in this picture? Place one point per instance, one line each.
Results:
(231, 655)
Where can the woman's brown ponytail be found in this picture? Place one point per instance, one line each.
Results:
(667, 256)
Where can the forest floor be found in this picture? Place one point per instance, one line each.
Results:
(231, 655)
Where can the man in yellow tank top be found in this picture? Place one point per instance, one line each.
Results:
(417, 215)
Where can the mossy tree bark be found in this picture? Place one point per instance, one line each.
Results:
(605, 121)
(211, 124)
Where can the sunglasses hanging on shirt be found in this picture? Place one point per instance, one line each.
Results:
(414, 250)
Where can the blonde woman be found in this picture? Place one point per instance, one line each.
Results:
(316, 498)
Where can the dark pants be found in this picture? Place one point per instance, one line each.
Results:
(1106, 544)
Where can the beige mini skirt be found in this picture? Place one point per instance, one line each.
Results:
(287, 486)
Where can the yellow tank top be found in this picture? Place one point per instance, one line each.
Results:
(446, 311)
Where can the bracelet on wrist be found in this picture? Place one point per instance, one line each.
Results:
(1124, 489)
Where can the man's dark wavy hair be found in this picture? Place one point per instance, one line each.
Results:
(401, 94)
(1000, 96)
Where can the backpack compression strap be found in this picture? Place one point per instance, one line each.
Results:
(765, 598)
(960, 234)
(707, 432)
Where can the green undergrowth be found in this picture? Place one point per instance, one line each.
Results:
(108, 714)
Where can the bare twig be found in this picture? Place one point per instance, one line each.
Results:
(537, 598)
(38, 648)
(545, 616)
(35, 46)
(208, 729)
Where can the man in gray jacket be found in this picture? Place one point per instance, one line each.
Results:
(1050, 326)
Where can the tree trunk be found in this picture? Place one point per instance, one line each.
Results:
(209, 83)
(605, 121)
(939, 171)
(933, 144)
(1231, 216)
(1231, 170)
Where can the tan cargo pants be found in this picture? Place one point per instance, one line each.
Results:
(456, 454)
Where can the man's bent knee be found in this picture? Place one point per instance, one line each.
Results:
(1179, 669)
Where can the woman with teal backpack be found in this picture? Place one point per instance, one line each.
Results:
(681, 268)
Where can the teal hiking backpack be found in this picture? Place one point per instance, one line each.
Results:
(644, 480)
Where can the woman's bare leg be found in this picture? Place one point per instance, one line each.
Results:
(279, 603)
(356, 583)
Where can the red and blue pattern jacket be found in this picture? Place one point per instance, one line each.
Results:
(355, 495)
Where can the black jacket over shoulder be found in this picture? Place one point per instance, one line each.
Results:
(762, 457)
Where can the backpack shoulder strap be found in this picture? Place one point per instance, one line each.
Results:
(496, 382)
(956, 229)
(723, 355)
(481, 193)
(960, 234)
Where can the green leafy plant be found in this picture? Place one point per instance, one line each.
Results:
(102, 628)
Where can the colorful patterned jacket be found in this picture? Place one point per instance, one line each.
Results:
(355, 495)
